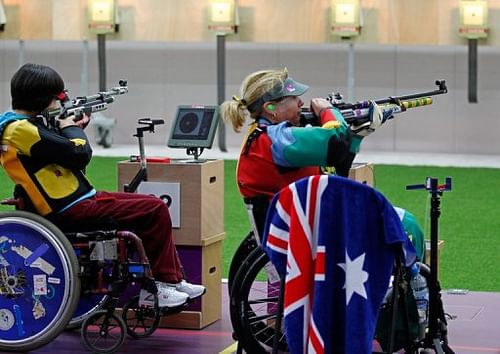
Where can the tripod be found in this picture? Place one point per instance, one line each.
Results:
(436, 336)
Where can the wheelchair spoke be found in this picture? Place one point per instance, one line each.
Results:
(254, 306)
(265, 300)
(102, 332)
(140, 322)
(254, 319)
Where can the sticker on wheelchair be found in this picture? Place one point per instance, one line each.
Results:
(7, 319)
(38, 262)
(272, 273)
(38, 310)
(39, 284)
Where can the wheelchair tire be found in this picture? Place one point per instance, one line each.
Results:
(103, 333)
(246, 246)
(140, 322)
(39, 284)
(253, 306)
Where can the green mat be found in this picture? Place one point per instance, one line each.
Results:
(469, 222)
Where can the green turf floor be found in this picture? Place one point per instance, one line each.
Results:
(469, 222)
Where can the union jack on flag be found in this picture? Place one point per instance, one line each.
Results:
(332, 239)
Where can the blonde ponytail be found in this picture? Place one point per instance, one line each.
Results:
(253, 87)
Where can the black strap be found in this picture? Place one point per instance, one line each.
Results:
(252, 136)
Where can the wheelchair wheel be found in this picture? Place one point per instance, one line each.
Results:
(39, 284)
(140, 322)
(253, 305)
(244, 249)
(102, 332)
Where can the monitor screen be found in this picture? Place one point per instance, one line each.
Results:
(194, 126)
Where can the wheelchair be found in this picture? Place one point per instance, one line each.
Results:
(73, 276)
(52, 280)
(254, 287)
(256, 300)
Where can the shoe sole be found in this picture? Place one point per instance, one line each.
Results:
(174, 306)
(197, 296)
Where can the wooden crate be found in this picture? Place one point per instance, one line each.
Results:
(202, 265)
(201, 195)
(428, 251)
(362, 172)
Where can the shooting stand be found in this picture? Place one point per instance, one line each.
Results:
(142, 174)
(195, 151)
(436, 336)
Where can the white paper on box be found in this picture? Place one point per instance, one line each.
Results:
(170, 193)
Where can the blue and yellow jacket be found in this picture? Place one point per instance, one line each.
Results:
(48, 165)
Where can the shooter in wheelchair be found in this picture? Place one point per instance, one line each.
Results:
(286, 143)
(45, 152)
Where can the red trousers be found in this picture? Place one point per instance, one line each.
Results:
(147, 216)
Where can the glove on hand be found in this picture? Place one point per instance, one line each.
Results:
(376, 118)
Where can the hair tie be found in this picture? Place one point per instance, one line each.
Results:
(241, 101)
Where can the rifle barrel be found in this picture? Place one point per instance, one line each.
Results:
(442, 89)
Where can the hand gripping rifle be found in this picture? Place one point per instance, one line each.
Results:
(84, 105)
(358, 113)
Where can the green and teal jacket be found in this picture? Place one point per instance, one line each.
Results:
(275, 155)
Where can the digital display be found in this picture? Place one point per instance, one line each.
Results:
(194, 126)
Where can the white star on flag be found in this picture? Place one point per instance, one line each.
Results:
(355, 276)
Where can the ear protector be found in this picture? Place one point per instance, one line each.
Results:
(271, 107)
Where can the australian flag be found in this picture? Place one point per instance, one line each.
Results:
(335, 241)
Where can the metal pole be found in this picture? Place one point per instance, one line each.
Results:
(435, 212)
(84, 75)
(472, 88)
(101, 56)
(221, 86)
(350, 73)
(21, 52)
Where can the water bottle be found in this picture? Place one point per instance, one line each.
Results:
(418, 284)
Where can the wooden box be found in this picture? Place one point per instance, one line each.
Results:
(202, 265)
(362, 172)
(201, 195)
(440, 246)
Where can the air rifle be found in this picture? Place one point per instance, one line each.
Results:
(357, 113)
(85, 104)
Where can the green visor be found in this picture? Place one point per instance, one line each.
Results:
(290, 87)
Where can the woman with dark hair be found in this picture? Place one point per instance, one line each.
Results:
(47, 164)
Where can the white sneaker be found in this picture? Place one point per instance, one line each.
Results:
(167, 297)
(193, 290)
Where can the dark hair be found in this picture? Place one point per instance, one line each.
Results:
(34, 86)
